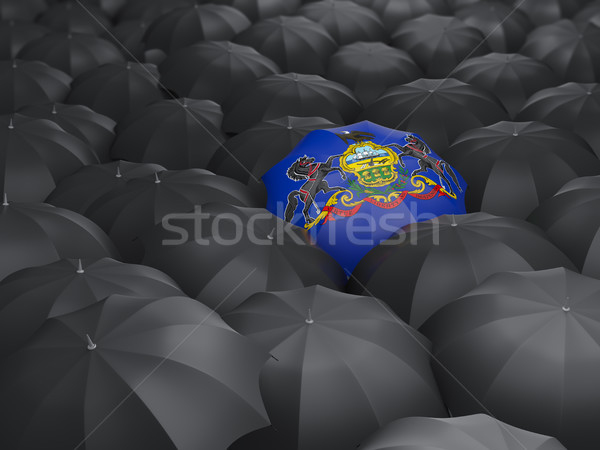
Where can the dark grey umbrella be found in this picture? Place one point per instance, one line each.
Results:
(20, 10)
(589, 13)
(73, 53)
(75, 17)
(14, 34)
(109, 7)
(573, 106)
(29, 83)
(30, 296)
(341, 366)
(129, 36)
(369, 68)
(133, 372)
(79, 190)
(439, 43)
(292, 94)
(215, 70)
(438, 110)
(513, 78)
(221, 254)
(191, 24)
(35, 155)
(295, 43)
(346, 21)
(116, 90)
(571, 220)
(176, 133)
(393, 12)
(548, 11)
(511, 167)
(533, 337)
(128, 212)
(149, 10)
(571, 49)
(32, 234)
(473, 432)
(91, 127)
(431, 263)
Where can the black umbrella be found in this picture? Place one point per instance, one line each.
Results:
(393, 12)
(456, 5)
(73, 53)
(20, 10)
(128, 212)
(109, 7)
(589, 13)
(14, 34)
(346, 21)
(533, 337)
(439, 43)
(133, 372)
(215, 70)
(513, 78)
(191, 24)
(380, 67)
(78, 191)
(35, 154)
(504, 28)
(80, 121)
(573, 106)
(474, 432)
(149, 10)
(511, 167)
(292, 94)
(30, 296)
(32, 234)
(342, 366)
(177, 133)
(570, 218)
(129, 36)
(263, 9)
(548, 11)
(116, 90)
(431, 263)
(75, 17)
(221, 254)
(295, 43)
(571, 49)
(438, 110)
(29, 83)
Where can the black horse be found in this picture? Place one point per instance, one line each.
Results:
(416, 148)
(305, 168)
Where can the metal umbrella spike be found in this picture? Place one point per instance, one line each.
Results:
(91, 345)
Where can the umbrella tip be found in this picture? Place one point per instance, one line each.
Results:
(309, 318)
(5, 200)
(80, 266)
(91, 345)
(118, 174)
(454, 224)
(566, 307)
(156, 179)
(270, 236)
(14, 64)
(54, 108)
(10, 123)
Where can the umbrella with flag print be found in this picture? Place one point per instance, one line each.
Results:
(353, 186)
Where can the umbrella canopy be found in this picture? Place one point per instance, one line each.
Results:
(573, 106)
(346, 21)
(116, 90)
(571, 49)
(133, 372)
(513, 166)
(295, 43)
(221, 254)
(128, 212)
(129, 35)
(75, 17)
(513, 78)
(149, 10)
(571, 221)
(342, 366)
(263, 9)
(589, 13)
(78, 191)
(109, 7)
(73, 53)
(355, 185)
(30, 296)
(505, 29)
(533, 337)
(369, 68)
(30, 83)
(176, 133)
(191, 24)
(35, 155)
(474, 432)
(432, 263)
(20, 10)
(439, 43)
(549, 11)
(293, 94)
(215, 70)
(32, 234)
(91, 127)
(393, 12)
(438, 110)
(14, 34)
